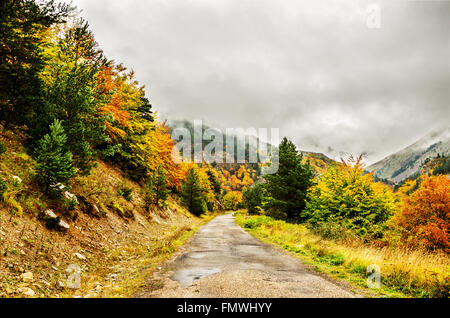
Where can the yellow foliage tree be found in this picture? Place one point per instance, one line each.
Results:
(348, 196)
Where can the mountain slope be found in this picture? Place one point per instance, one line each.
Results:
(318, 161)
(402, 164)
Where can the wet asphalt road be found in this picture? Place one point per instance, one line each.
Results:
(222, 260)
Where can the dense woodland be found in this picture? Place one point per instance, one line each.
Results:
(77, 108)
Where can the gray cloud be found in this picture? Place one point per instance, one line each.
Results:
(313, 69)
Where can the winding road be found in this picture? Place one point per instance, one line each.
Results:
(222, 260)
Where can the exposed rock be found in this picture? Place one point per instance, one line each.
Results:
(70, 196)
(57, 186)
(63, 225)
(80, 256)
(113, 276)
(27, 291)
(50, 214)
(60, 285)
(17, 179)
(54, 222)
(90, 208)
(27, 277)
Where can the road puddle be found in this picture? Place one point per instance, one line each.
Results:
(187, 276)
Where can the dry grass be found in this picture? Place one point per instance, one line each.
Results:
(130, 249)
(404, 272)
(125, 270)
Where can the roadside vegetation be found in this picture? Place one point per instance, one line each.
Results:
(341, 220)
(405, 272)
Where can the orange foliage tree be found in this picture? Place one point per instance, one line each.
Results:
(154, 148)
(424, 218)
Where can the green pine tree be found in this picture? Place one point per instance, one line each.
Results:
(54, 161)
(21, 58)
(215, 183)
(74, 99)
(192, 193)
(287, 188)
(253, 197)
(157, 187)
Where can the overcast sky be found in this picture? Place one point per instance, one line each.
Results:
(314, 68)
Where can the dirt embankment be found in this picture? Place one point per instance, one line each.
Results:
(111, 243)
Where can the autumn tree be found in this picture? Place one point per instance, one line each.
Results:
(287, 188)
(231, 200)
(424, 217)
(346, 195)
(147, 146)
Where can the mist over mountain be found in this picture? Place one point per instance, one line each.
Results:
(402, 164)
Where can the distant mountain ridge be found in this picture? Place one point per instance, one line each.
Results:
(404, 163)
(317, 160)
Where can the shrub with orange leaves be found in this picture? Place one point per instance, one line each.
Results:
(424, 218)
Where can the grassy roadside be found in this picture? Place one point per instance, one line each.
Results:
(404, 273)
(125, 270)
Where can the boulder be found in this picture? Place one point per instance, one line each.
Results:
(70, 196)
(63, 225)
(50, 214)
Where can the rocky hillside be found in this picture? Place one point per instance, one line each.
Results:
(408, 161)
(109, 240)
